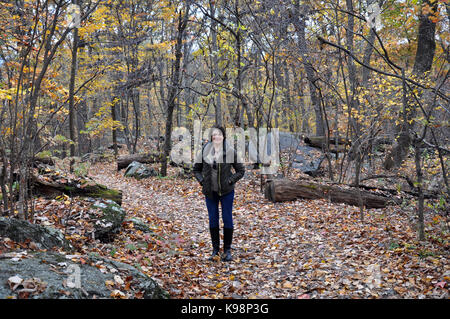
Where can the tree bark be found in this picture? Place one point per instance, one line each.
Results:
(114, 132)
(175, 86)
(426, 45)
(73, 70)
(215, 64)
(300, 24)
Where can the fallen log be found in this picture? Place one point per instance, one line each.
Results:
(145, 158)
(286, 190)
(46, 160)
(320, 141)
(45, 186)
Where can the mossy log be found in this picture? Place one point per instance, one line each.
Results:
(42, 185)
(144, 158)
(47, 160)
(286, 190)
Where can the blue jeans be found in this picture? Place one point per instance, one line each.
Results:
(226, 201)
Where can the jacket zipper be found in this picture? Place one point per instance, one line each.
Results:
(218, 165)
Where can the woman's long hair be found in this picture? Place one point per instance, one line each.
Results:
(222, 129)
(219, 128)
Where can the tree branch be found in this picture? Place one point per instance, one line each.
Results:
(323, 41)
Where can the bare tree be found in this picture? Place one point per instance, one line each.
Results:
(174, 88)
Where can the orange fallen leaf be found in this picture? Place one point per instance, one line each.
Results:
(287, 285)
(118, 294)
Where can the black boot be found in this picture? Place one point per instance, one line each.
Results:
(215, 239)
(227, 239)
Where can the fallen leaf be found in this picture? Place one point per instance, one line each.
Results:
(441, 284)
(118, 294)
(287, 284)
(14, 282)
(118, 280)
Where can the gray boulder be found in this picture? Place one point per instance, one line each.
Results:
(307, 159)
(139, 171)
(50, 275)
(43, 236)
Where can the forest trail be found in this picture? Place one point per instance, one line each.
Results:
(301, 249)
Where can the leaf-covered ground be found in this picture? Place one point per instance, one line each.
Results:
(301, 249)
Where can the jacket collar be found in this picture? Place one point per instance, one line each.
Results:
(208, 151)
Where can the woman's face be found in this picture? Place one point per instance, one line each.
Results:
(217, 137)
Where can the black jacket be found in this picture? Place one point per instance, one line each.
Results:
(226, 179)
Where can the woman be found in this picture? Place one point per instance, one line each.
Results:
(213, 172)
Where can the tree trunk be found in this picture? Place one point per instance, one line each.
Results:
(137, 114)
(82, 118)
(287, 190)
(3, 176)
(300, 23)
(420, 203)
(73, 70)
(426, 45)
(215, 64)
(174, 88)
(114, 134)
(366, 59)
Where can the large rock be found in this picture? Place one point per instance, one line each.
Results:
(44, 237)
(305, 158)
(107, 217)
(50, 275)
(139, 171)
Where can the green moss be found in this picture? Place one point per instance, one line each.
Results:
(113, 215)
(105, 193)
(69, 188)
(311, 186)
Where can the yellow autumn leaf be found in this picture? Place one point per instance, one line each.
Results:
(287, 285)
